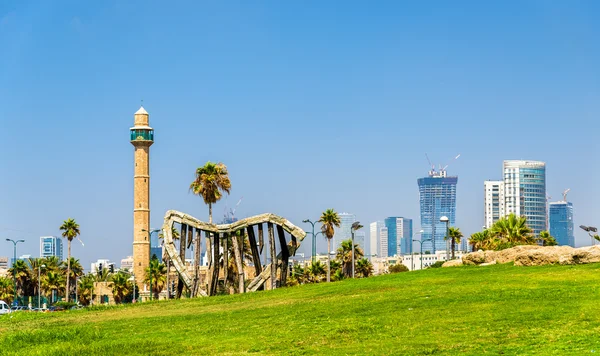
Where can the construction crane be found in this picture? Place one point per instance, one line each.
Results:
(441, 172)
(565, 194)
(229, 215)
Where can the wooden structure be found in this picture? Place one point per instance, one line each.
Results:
(270, 271)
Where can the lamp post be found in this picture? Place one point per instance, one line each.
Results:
(589, 230)
(412, 256)
(445, 219)
(40, 285)
(314, 239)
(13, 266)
(355, 226)
(421, 249)
(150, 254)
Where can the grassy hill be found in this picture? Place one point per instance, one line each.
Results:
(468, 310)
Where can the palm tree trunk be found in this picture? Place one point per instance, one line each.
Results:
(453, 248)
(328, 260)
(210, 213)
(68, 268)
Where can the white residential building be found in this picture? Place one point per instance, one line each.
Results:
(493, 202)
(95, 266)
(525, 192)
(127, 263)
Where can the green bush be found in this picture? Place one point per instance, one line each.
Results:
(398, 268)
(65, 305)
(438, 264)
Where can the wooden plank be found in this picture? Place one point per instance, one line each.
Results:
(235, 240)
(254, 250)
(260, 280)
(285, 256)
(225, 254)
(182, 243)
(273, 255)
(197, 254)
(211, 266)
(216, 257)
(261, 241)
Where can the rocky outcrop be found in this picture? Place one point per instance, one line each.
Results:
(453, 263)
(532, 255)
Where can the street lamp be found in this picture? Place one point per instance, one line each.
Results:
(589, 230)
(445, 219)
(421, 249)
(355, 226)
(150, 254)
(40, 285)
(412, 256)
(13, 266)
(314, 238)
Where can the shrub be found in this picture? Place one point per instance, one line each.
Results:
(438, 264)
(65, 305)
(398, 268)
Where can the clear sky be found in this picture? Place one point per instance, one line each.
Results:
(311, 105)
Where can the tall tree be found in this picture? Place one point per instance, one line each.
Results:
(70, 230)
(211, 181)
(364, 267)
(512, 231)
(52, 281)
(157, 272)
(121, 286)
(74, 272)
(455, 235)
(315, 272)
(547, 239)
(6, 290)
(20, 272)
(344, 255)
(86, 289)
(329, 220)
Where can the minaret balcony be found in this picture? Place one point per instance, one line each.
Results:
(138, 134)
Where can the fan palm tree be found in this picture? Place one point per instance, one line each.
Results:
(86, 289)
(157, 273)
(512, 231)
(211, 181)
(70, 230)
(20, 272)
(76, 270)
(52, 263)
(103, 276)
(34, 269)
(121, 286)
(52, 281)
(315, 272)
(546, 239)
(455, 235)
(6, 290)
(339, 275)
(344, 255)
(364, 267)
(480, 240)
(329, 220)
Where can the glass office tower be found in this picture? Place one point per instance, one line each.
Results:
(437, 195)
(561, 223)
(525, 192)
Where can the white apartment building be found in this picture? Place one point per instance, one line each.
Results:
(493, 202)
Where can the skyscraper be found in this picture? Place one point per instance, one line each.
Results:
(399, 235)
(141, 137)
(51, 246)
(359, 239)
(561, 223)
(525, 192)
(493, 201)
(375, 239)
(437, 195)
(344, 231)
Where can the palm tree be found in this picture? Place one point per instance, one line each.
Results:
(315, 272)
(86, 289)
(479, 239)
(103, 276)
(20, 272)
(157, 272)
(6, 289)
(52, 281)
(34, 270)
(454, 234)
(344, 255)
(339, 275)
(512, 231)
(70, 230)
(76, 270)
(364, 267)
(330, 221)
(121, 286)
(211, 180)
(546, 239)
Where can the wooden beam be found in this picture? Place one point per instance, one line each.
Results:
(273, 255)
(235, 240)
(182, 243)
(197, 254)
(254, 250)
(211, 266)
(261, 241)
(216, 257)
(285, 256)
(225, 257)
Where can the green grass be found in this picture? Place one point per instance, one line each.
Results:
(549, 310)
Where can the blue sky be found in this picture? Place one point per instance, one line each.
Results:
(310, 104)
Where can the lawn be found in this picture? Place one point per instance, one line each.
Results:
(502, 309)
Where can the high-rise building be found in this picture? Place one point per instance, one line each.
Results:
(155, 247)
(4, 263)
(525, 192)
(383, 235)
(359, 239)
(141, 137)
(561, 223)
(437, 196)
(344, 231)
(51, 246)
(493, 201)
(375, 239)
(399, 233)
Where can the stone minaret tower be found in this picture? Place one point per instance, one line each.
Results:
(142, 137)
